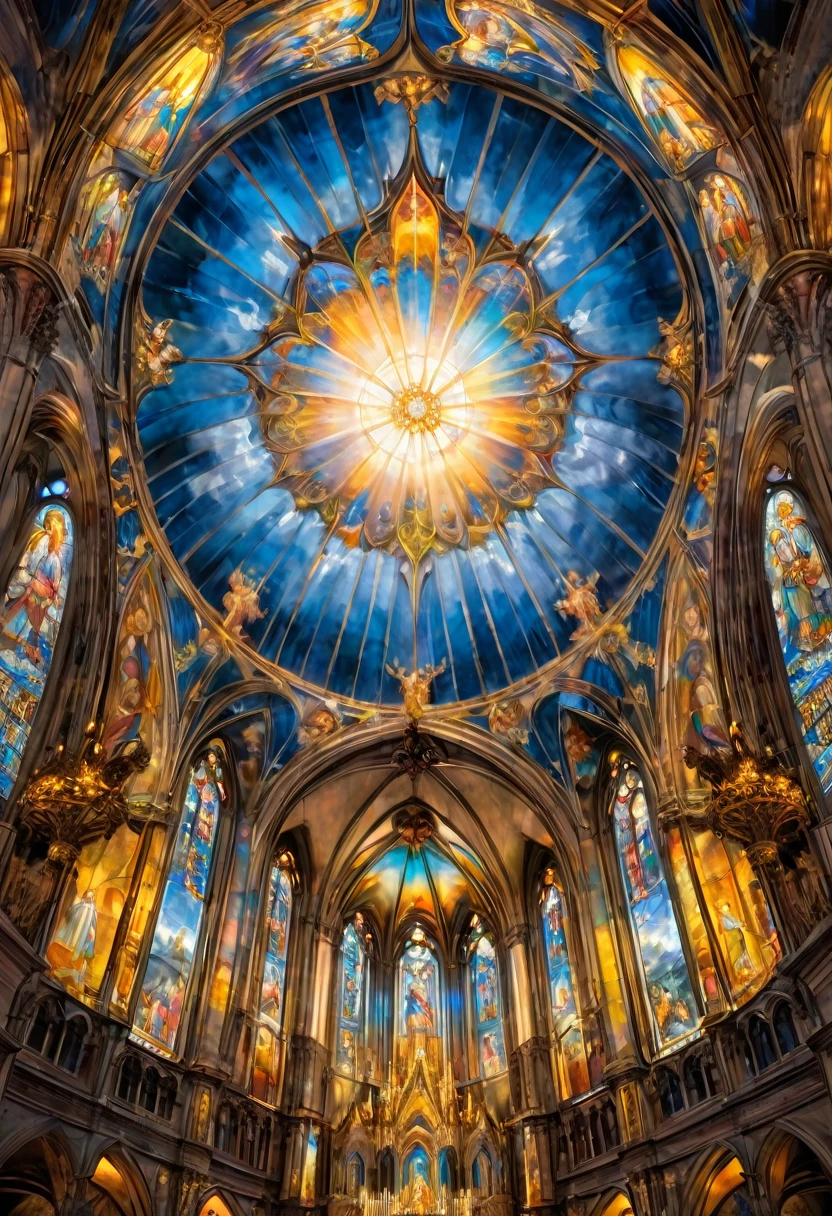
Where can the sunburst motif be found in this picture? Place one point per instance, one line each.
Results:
(422, 399)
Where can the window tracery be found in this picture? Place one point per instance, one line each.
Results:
(173, 948)
(655, 931)
(30, 618)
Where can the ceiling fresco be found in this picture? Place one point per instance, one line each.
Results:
(413, 401)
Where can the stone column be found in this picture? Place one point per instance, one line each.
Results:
(308, 1060)
(530, 1066)
(28, 330)
(799, 320)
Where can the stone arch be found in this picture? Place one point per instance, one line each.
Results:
(791, 1165)
(216, 1202)
(613, 1203)
(39, 1166)
(118, 1176)
(719, 1173)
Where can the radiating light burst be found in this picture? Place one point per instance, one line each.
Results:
(422, 398)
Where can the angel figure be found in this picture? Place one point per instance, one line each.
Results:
(241, 603)
(517, 36)
(581, 601)
(155, 354)
(415, 686)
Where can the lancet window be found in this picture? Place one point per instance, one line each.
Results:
(419, 988)
(30, 619)
(486, 1004)
(273, 984)
(574, 1075)
(801, 594)
(656, 933)
(173, 949)
(351, 999)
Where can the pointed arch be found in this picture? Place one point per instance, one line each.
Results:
(120, 1179)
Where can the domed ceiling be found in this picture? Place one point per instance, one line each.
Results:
(417, 412)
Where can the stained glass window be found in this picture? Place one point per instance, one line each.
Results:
(168, 969)
(29, 622)
(272, 987)
(801, 594)
(558, 968)
(419, 1000)
(349, 1012)
(574, 1072)
(486, 982)
(157, 112)
(651, 913)
(310, 1168)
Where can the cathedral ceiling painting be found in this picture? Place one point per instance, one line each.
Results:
(373, 558)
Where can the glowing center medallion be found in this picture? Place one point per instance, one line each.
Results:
(423, 400)
(416, 410)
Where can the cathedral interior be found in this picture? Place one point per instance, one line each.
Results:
(415, 608)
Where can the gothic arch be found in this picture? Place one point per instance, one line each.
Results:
(720, 1164)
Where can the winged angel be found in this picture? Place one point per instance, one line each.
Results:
(312, 34)
(519, 37)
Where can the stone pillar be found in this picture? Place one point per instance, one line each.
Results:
(531, 1065)
(309, 1053)
(28, 329)
(799, 318)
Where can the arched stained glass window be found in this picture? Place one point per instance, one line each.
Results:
(419, 988)
(169, 966)
(558, 967)
(801, 595)
(273, 984)
(487, 1015)
(651, 913)
(349, 1001)
(573, 1063)
(30, 618)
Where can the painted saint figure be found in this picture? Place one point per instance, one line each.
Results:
(561, 997)
(733, 931)
(169, 965)
(310, 35)
(627, 837)
(652, 917)
(806, 592)
(73, 946)
(728, 220)
(680, 132)
(103, 214)
(157, 113)
(519, 37)
(30, 617)
(417, 1010)
(33, 598)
